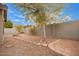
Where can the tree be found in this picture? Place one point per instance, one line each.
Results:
(8, 24)
(40, 13)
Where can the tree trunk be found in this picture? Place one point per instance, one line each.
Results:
(44, 30)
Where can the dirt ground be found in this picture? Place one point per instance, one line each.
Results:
(67, 47)
(14, 47)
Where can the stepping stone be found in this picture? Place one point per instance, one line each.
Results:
(44, 45)
(38, 43)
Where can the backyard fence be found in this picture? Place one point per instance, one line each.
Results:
(67, 30)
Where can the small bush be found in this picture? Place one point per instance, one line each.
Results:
(20, 29)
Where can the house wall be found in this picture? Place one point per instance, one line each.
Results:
(1, 26)
(68, 30)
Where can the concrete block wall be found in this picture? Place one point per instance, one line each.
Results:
(67, 30)
(39, 31)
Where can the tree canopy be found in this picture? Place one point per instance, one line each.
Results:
(8, 24)
(40, 13)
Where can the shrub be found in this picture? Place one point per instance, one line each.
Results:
(8, 24)
(20, 29)
(32, 29)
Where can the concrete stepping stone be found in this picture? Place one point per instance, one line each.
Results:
(45, 45)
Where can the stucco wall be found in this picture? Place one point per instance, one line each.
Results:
(68, 30)
(3, 16)
(39, 31)
(1, 30)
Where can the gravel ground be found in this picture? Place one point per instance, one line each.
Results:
(13, 47)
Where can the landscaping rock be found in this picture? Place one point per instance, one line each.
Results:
(38, 44)
(44, 45)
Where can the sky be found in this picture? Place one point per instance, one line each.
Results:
(16, 16)
(72, 12)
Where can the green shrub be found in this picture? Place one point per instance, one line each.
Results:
(8, 24)
(19, 29)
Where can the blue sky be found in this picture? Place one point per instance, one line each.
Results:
(16, 16)
(72, 10)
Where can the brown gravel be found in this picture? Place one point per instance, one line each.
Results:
(13, 47)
